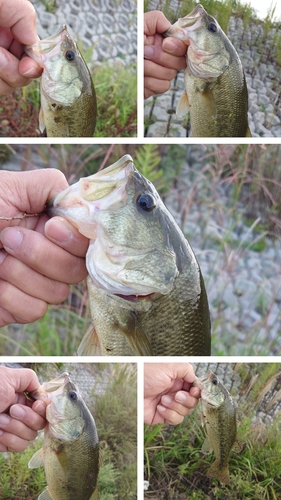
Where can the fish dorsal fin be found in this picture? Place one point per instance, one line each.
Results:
(207, 447)
(45, 495)
(90, 344)
(37, 460)
(183, 105)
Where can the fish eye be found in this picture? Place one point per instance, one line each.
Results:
(212, 27)
(215, 381)
(73, 395)
(146, 202)
(70, 55)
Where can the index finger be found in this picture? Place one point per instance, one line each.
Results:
(20, 17)
(155, 22)
(23, 379)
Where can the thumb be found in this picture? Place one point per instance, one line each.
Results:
(62, 233)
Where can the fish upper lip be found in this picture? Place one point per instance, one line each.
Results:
(189, 22)
(43, 391)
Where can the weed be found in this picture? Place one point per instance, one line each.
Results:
(116, 89)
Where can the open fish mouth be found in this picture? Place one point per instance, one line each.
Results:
(186, 24)
(48, 48)
(80, 202)
(47, 389)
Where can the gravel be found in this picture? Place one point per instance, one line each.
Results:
(108, 26)
(243, 285)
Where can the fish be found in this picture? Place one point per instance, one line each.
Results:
(68, 98)
(70, 452)
(215, 86)
(146, 291)
(219, 417)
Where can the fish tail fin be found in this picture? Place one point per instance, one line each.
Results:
(95, 495)
(220, 473)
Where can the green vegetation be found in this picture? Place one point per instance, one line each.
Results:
(116, 89)
(175, 465)
(50, 5)
(115, 412)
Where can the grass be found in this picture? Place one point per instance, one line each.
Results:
(115, 413)
(116, 89)
(175, 464)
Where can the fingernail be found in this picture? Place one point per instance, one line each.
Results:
(170, 46)
(33, 72)
(58, 231)
(161, 408)
(180, 397)
(11, 238)
(3, 60)
(3, 256)
(4, 419)
(17, 412)
(39, 407)
(148, 51)
(166, 400)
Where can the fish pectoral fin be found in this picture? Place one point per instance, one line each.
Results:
(37, 460)
(136, 336)
(183, 105)
(207, 447)
(90, 344)
(45, 495)
(209, 101)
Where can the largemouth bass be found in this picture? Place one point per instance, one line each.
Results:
(215, 87)
(146, 291)
(68, 99)
(70, 453)
(219, 417)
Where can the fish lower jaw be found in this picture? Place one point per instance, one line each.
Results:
(133, 298)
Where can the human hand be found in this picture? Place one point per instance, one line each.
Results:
(163, 57)
(40, 257)
(20, 419)
(17, 28)
(168, 395)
